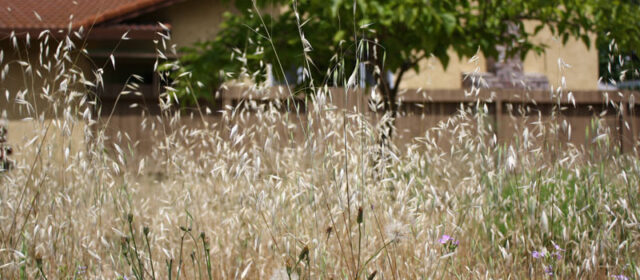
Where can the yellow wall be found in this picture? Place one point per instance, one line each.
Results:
(24, 121)
(196, 20)
(193, 21)
(22, 132)
(583, 74)
(433, 76)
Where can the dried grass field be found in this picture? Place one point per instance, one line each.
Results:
(247, 200)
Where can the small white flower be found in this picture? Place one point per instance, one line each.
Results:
(395, 231)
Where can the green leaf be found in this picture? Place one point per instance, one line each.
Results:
(339, 36)
(334, 8)
(565, 38)
(538, 29)
(445, 61)
(449, 22)
(586, 40)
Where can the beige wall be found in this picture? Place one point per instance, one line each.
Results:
(23, 121)
(432, 74)
(583, 74)
(195, 20)
(54, 144)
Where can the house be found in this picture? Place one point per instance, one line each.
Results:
(190, 21)
(102, 24)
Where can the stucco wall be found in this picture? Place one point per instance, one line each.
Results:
(583, 61)
(28, 119)
(194, 20)
(432, 74)
(55, 142)
(582, 75)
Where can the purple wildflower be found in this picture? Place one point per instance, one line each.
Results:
(537, 255)
(548, 270)
(444, 239)
(620, 277)
(556, 246)
(449, 242)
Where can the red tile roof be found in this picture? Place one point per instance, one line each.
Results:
(53, 14)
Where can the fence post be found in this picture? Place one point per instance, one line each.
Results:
(632, 119)
(628, 123)
(498, 128)
(5, 150)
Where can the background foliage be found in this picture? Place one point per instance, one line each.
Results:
(328, 38)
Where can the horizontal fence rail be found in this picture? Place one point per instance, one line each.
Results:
(420, 110)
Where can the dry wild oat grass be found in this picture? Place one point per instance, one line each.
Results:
(242, 199)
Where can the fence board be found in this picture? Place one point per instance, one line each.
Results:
(509, 111)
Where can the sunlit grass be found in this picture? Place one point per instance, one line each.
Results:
(247, 199)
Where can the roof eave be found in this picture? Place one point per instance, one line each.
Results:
(108, 32)
(128, 13)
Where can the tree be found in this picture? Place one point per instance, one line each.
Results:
(391, 35)
(618, 41)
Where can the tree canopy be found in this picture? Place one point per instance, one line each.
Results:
(328, 38)
(618, 41)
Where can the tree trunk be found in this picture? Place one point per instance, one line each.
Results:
(390, 107)
(387, 125)
(389, 96)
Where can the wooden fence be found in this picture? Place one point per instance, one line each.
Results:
(509, 111)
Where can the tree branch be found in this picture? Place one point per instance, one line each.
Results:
(405, 67)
